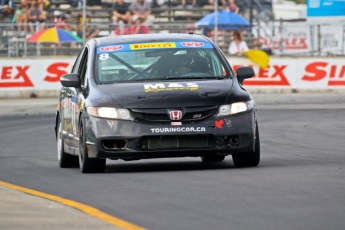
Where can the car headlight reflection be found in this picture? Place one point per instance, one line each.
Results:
(234, 108)
(112, 113)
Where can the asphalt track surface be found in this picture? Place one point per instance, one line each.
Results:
(299, 184)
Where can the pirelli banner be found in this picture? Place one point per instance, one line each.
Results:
(282, 73)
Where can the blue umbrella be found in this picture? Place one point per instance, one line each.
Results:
(226, 21)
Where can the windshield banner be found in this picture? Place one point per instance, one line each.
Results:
(152, 46)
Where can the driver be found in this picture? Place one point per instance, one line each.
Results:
(184, 68)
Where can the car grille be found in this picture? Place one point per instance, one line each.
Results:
(175, 142)
(191, 116)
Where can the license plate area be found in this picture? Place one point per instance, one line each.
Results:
(176, 142)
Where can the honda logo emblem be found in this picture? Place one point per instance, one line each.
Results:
(175, 115)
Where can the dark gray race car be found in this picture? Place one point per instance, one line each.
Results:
(152, 96)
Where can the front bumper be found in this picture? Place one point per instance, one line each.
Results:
(157, 140)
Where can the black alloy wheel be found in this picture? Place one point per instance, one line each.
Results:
(249, 159)
(65, 160)
(86, 164)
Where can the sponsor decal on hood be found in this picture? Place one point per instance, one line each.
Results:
(170, 86)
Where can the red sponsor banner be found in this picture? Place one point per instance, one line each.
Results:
(295, 73)
(318, 71)
(33, 74)
(14, 76)
(265, 77)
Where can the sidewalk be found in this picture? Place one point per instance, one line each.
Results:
(19, 210)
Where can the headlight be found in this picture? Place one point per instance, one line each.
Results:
(238, 107)
(107, 112)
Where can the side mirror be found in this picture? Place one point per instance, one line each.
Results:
(244, 73)
(70, 80)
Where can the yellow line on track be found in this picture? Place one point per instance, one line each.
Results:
(82, 207)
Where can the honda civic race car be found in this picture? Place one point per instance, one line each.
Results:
(137, 97)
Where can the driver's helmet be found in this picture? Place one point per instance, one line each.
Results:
(185, 65)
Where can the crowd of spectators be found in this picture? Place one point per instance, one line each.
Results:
(128, 16)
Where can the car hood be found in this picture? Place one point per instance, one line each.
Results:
(169, 94)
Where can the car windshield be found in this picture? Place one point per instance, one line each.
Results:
(160, 60)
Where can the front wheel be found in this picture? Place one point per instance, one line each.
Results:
(86, 164)
(249, 159)
(65, 160)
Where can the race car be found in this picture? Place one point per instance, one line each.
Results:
(148, 96)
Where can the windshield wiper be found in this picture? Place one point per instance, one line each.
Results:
(151, 79)
(195, 77)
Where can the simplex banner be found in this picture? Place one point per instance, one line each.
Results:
(282, 73)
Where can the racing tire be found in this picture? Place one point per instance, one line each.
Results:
(249, 159)
(65, 160)
(212, 158)
(86, 164)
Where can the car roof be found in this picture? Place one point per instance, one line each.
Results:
(138, 38)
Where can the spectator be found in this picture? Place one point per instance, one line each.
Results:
(90, 32)
(26, 2)
(36, 16)
(20, 17)
(121, 29)
(142, 9)
(121, 12)
(238, 45)
(139, 28)
(6, 7)
(232, 7)
(220, 2)
(32, 2)
(64, 25)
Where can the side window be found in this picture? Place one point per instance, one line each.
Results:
(77, 62)
(83, 67)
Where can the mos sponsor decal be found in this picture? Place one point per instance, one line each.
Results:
(110, 48)
(161, 45)
(171, 86)
(179, 130)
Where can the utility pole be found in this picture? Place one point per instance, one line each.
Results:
(84, 22)
(251, 12)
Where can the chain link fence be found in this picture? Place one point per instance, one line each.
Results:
(277, 38)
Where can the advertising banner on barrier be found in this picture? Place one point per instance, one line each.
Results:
(33, 74)
(297, 38)
(332, 37)
(294, 38)
(282, 73)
